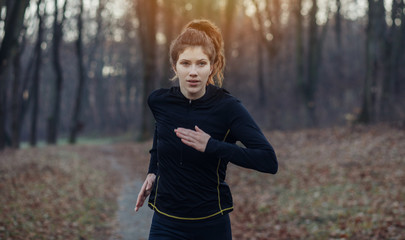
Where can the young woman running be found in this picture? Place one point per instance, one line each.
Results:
(197, 125)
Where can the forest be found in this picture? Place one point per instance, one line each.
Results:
(85, 67)
(324, 80)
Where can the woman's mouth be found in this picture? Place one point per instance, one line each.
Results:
(193, 83)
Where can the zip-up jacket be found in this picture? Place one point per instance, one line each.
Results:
(190, 185)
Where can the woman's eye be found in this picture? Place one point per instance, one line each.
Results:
(185, 63)
(202, 64)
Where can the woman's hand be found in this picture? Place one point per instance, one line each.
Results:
(145, 190)
(197, 139)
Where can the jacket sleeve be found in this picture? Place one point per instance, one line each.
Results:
(153, 164)
(258, 154)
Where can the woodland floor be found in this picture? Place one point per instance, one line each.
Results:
(334, 183)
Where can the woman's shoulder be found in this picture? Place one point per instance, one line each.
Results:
(227, 98)
(158, 93)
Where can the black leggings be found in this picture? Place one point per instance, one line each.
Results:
(164, 228)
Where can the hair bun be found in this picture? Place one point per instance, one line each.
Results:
(210, 29)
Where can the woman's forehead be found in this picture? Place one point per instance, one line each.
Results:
(193, 52)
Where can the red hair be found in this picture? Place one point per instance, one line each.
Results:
(207, 35)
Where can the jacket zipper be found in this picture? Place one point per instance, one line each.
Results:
(182, 146)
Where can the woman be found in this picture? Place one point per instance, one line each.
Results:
(197, 125)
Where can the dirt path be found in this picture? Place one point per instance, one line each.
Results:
(131, 225)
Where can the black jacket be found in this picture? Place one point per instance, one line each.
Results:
(190, 185)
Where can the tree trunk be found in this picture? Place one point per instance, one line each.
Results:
(146, 11)
(37, 76)
(228, 26)
(53, 119)
(273, 8)
(338, 24)
(16, 98)
(12, 27)
(261, 84)
(338, 53)
(95, 65)
(75, 125)
(101, 94)
(299, 36)
(392, 63)
(312, 78)
(13, 24)
(168, 30)
(373, 78)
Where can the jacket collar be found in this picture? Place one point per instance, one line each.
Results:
(212, 93)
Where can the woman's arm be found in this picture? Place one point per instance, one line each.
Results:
(258, 154)
(153, 164)
(145, 190)
(150, 178)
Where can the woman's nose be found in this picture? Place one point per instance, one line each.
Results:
(193, 71)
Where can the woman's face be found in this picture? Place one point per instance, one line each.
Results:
(193, 69)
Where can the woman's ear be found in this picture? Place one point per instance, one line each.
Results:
(174, 68)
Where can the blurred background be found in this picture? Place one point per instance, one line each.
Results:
(324, 79)
(85, 67)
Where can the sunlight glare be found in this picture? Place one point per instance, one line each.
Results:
(188, 7)
(117, 8)
(44, 45)
(269, 37)
(306, 6)
(354, 9)
(250, 9)
(2, 29)
(322, 14)
(160, 38)
(267, 23)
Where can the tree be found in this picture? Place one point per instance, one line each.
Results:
(16, 102)
(269, 37)
(75, 124)
(168, 15)
(299, 46)
(307, 81)
(15, 11)
(374, 49)
(146, 12)
(228, 25)
(37, 74)
(394, 50)
(309, 87)
(95, 67)
(54, 118)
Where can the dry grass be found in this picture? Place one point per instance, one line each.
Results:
(63, 192)
(339, 183)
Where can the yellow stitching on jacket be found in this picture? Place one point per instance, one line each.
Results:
(219, 163)
(219, 197)
(184, 218)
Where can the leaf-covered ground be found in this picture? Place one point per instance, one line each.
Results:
(64, 192)
(335, 183)
(338, 183)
